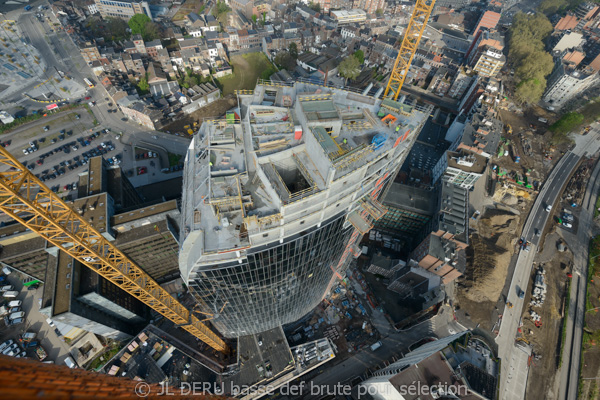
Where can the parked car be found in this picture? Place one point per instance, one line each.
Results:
(6, 344)
(15, 303)
(16, 315)
(7, 288)
(10, 294)
(17, 321)
(70, 363)
(14, 310)
(10, 348)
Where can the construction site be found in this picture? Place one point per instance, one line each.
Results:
(283, 168)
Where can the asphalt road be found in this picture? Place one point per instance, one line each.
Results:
(569, 373)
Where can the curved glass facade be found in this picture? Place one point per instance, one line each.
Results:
(276, 284)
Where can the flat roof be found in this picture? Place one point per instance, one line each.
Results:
(262, 361)
(241, 172)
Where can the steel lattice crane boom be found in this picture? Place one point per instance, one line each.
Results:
(412, 37)
(30, 202)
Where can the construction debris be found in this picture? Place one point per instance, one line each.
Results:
(539, 288)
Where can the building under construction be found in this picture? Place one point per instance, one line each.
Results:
(277, 198)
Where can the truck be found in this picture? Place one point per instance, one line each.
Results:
(376, 345)
(41, 353)
(27, 336)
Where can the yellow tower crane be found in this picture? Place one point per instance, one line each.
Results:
(412, 37)
(30, 202)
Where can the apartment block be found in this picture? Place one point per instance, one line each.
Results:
(122, 9)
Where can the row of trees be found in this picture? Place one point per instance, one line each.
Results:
(526, 53)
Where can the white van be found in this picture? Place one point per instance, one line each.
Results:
(70, 363)
(10, 294)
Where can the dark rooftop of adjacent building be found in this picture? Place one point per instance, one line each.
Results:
(428, 148)
(262, 356)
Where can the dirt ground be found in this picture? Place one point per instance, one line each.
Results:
(546, 340)
(214, 110)
(489, 256)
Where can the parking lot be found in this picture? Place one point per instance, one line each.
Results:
(56, 149)
(48, 337)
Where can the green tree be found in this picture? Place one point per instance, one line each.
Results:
(220, 11)
(284, 59)
(535, 64)
(526, 53)
(151, 31)
(551, 7)
(137, 23)
(379, 12)
(349, 68)
(530, 91)
(315, 6)
(143, 85)
(254, 18)
(567, 123)
(360, 55)
(293, 50)
(116, 29)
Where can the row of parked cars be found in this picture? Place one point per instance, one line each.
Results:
(12, 349)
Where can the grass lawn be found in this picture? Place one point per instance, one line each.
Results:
(247, 69)
(104, 358)
(174, 159)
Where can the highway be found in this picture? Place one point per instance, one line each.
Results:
(514, 370)
(569, 373)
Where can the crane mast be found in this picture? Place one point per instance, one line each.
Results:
(27, 200)
(412, 37)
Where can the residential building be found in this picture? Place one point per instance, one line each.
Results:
(370, 6)
(442, 256)
(262, 269)
(568, 80)
(89, 52)
(349, 16)
(488, 19)
(122, 8)
(488, 61)
(463, 168)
